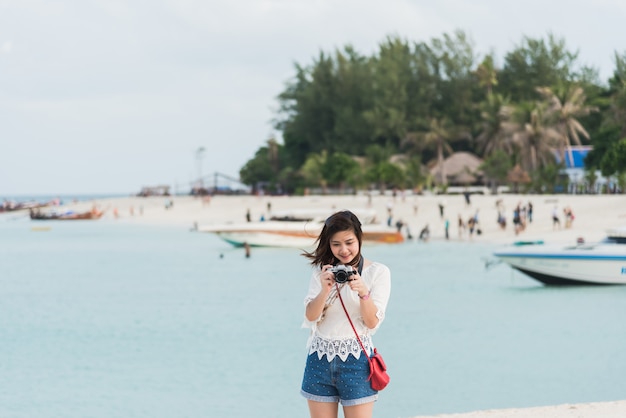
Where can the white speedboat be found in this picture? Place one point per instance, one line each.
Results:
(297, 229)
(599, 263)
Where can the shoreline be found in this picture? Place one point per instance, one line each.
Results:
(594, 214)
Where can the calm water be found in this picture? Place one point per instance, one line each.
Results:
(104, 319)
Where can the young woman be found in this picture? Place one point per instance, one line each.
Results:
(336, 369)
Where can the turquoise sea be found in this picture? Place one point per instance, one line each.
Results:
(111, 319)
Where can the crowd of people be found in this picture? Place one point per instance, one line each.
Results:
(469, 227)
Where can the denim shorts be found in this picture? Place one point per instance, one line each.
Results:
(338, 381)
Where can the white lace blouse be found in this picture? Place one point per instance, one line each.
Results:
(331, 333)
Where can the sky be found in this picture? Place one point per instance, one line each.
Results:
(108, 96)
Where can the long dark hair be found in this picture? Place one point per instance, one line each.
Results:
(337, 222)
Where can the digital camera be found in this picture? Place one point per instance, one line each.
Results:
(342, 273)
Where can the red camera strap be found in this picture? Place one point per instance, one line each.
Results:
(348, 315)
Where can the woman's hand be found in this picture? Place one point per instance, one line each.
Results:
(358, 286)
(327, 279)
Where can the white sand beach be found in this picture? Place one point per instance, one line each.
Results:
(593, 215)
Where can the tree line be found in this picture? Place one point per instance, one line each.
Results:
(349, 120)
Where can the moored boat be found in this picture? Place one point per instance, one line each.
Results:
(599, 263)
(296, 229)
(65, 216)
(10, 206)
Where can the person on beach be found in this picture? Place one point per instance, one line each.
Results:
(461, 225)
(556, 222)
(337, 370)
(471, 224)
(468, 202)
(569, 216)
(389, 213)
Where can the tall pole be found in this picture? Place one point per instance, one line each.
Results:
(199, 157)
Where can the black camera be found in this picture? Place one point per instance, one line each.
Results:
(342, 273)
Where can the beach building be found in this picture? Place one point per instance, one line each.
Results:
(577, 174)
(161, 190)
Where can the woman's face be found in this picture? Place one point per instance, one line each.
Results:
(345, 246)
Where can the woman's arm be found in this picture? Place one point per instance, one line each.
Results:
(315, 307)
(368, 313)
(373, 300)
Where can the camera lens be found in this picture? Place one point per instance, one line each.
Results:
(341, 276)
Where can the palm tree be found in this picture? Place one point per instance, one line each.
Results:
(564, 107)
(618, 98)
(535, 140)
(497, 125)
(440, 132)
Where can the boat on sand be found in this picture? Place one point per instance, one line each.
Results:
(66, 216)
(297, 229)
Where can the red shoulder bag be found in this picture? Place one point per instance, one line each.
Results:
(378, 377)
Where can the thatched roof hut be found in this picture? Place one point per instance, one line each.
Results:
(461, 168)
(518, 175)
(464, 178)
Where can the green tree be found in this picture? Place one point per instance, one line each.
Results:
(309, 119)
(612, 104)
(457, 84)
(438, 136)
(496, 167)
(258, 169)
(546, 177)
(272, 155)
(378, 168)
(497, 125)
(354, 97)
(614, 161)
(391, 76)
(487, 74)
(536, 138)
(313, 170)
(563, 108)
(342, 169)
(533, 63)
(618, 90)
(414, 171)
